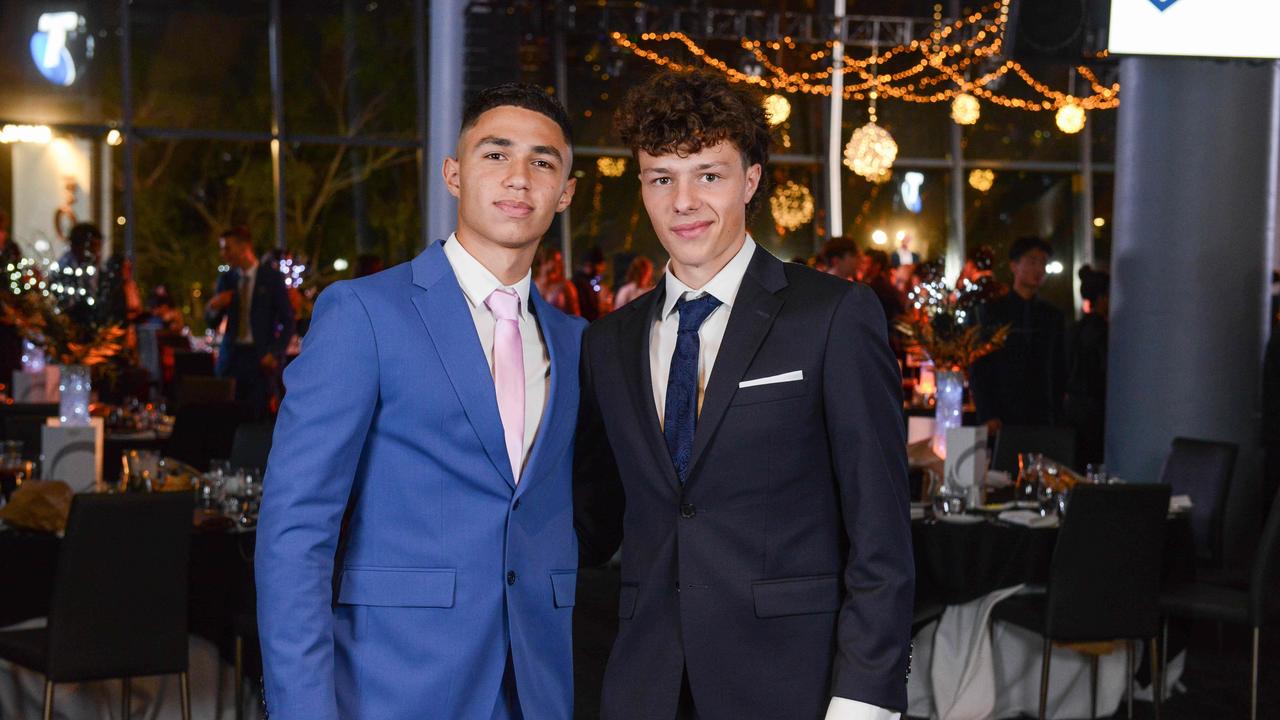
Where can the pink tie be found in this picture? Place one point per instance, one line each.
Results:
(508, 372)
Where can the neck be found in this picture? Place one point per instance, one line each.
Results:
(696, 276)
(1024, 292)
(509, 265)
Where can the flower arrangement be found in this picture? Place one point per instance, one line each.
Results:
(941, 324)
(40, 320)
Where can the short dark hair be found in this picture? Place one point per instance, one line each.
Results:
(238, 232)
(878, 257)
(1094, 284)
(82, 233)
(837, 247)
(683, 112)
(1026, 244)
(521, 95)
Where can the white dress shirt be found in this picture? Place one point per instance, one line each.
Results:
(477, 283)
(662, 344)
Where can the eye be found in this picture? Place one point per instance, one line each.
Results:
(710, 177)
(493, 156)
(660, 181)
(544, 164)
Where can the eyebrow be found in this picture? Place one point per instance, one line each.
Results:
(506, 143)
(699, 168)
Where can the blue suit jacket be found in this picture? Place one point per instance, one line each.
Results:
(445, 562)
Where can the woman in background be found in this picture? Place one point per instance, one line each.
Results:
(639, 281)
(548, 277)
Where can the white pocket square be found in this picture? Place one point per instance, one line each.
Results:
(792, 376)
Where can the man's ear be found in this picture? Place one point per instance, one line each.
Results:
(566, 196)
(752, 182)
(452, 174)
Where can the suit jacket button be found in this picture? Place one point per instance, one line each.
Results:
(688, 511)
(511, 577)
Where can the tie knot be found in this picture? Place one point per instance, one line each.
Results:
(694, 312)
(504, 304)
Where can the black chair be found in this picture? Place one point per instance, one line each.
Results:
(204, 431)
(187, 363)
(252, 445)
(198, 389)
(1202, 469)
(27, 430)
(1055, 443)
(1250, 606)
(119, 606)
(1104, 579)
(43, 410)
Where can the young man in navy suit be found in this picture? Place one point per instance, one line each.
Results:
(753, 423)
(416, 558)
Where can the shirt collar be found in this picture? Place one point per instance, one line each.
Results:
(475, 279)
(723, 287)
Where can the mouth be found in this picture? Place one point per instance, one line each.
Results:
(688, 231)
(514, 208)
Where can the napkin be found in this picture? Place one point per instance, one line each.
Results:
(917, 513)
(1180, 503)
(39, 505)
(1028, 518)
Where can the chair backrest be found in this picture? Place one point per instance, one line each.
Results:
(43, 410)
(204, 431)
(252, 445)
(187, 363)
(1055, 443)
(197, 389)
(1263, 576)
(1202, 469)
(1104, 579)
(27, 429)
(119, 603)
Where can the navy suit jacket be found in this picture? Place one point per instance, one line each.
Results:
(446, 564)
(780, 572)
(271, 316)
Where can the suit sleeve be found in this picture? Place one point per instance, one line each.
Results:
(212, 318)
(863, 407)
(284, 321)
(319, 436)
(598, 501)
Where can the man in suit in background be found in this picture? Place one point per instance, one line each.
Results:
(416, 556)
(751, 458)
(253, 299)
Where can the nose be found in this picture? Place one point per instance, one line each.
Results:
(686, 199)
(518, 177)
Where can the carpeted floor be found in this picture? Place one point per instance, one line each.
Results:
(1216, 680)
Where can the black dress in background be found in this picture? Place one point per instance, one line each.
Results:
(1021, 383)
(1085, 404)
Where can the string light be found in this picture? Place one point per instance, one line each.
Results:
(791, 205)
(981, 179)
(777, 109)
(611, 167)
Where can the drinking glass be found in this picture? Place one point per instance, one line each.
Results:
(949, 500)
(1096, 473)
(1030, 466)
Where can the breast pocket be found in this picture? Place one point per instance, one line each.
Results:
(769, 393)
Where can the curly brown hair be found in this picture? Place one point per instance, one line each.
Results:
(683, 112)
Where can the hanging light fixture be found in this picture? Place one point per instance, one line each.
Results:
(777, 109)
(871, 150)
(611, 167)
(1070, 117)
(965, 109)
(981, 179)
(791, 205)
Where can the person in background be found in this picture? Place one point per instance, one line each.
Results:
(10, 340)
(840, 255)
(639, 281)
(1022, 382)
(874, 273)
(594, 298)
(164, 310)
(1084, 406)
(119, 300)
(253, 300)
(903, 255)
(548, 277)
(78, 272)
(978, 277)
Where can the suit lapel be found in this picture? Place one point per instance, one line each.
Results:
(448, 319)
(633, 341)
(754, 310)
(557, 334)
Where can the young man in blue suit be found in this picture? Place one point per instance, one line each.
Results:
(416, 556)
(753, 421)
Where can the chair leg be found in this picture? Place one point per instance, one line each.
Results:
(125, 690)
(1157, 676)
(1253, 681)
(1128, 685)
(1164, 658)
(185, 684)
(1044, 677)
(48, 700)
(239, 678)
(1093, 687)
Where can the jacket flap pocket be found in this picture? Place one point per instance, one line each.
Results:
(796, 596)
(771, 391)
(627, 595)
(397, 587)
(564, 585)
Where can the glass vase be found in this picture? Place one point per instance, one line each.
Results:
(949, 406)
(75, 386)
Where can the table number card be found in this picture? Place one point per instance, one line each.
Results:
(73, 454)
(966, 464)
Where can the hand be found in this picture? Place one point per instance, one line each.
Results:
(268, 363)
(222, 300)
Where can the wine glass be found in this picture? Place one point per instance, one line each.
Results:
(1029, 470)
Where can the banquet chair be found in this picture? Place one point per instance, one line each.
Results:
(1202, 469)
(1055, 443)
(119, 604)
(1104, 578)
(42, 410)
(1250, 606)
(204, 431)
(197, 389)
(251, 445)
(27, 430)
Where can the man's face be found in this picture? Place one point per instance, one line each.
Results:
(1028, 271)
(511, 177)
(698, 204)
(846, 266)
(232, 250)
